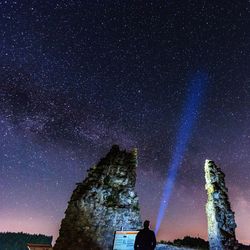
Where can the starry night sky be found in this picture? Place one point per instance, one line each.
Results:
(79, 76)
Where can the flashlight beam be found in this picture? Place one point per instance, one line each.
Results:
(190, 113)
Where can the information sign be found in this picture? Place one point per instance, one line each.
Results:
(124, 240)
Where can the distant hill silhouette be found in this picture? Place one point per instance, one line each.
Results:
(193, 242)
(14, 241)
(188, 241)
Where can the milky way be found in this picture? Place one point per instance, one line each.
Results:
(79, 76)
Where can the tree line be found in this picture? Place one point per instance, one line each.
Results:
(19, 241)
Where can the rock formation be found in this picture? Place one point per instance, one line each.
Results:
(221, 223)
(103, 203)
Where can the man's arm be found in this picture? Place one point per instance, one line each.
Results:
(153, 240)
(136, 245)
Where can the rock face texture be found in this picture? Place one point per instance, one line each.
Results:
(103, 203)
(221, 223)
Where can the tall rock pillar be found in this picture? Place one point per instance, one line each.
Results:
(220, 218)
(103, 203)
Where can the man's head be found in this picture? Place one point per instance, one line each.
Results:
(146, 224)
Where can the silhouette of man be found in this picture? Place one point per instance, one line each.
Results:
(145, 239)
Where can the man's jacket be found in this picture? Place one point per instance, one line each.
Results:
(145, 240)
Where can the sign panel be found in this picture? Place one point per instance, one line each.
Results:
(124, 240)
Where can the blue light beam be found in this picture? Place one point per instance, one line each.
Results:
(192, 104)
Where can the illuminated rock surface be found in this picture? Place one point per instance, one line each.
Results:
(221, 223)
(103, 203)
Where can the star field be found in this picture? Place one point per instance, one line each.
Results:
(79, 76)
